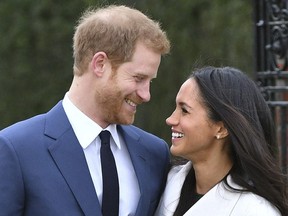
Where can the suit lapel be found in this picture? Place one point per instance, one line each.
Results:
(139, 158)
(70, 160)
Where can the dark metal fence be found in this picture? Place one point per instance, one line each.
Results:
(271, 49)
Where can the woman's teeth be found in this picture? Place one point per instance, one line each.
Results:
(177, 135)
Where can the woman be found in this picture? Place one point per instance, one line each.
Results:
(223, 127)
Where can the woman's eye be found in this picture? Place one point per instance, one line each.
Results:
(184, 110)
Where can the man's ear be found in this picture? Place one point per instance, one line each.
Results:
(99, 62)
(222, 131)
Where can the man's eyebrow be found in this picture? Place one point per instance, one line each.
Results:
(144, 75)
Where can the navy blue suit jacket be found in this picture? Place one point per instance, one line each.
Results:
(43, 171)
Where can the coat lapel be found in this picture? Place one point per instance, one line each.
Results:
(220, 199)
(171, 195)
(70, 160)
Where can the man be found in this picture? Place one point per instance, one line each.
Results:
(51, 164)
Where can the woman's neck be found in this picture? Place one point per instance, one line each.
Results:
(210, 173)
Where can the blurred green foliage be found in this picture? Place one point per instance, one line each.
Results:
(36, 51)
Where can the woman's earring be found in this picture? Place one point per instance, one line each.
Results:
(218, 136)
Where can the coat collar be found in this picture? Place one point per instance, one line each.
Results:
(171, 195)
(220, 199)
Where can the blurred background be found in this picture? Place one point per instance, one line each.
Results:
(36, 51)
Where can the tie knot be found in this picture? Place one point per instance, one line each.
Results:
(105, 137)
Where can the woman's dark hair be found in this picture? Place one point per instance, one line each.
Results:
(233, 98)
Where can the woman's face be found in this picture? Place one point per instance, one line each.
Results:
(193, 133)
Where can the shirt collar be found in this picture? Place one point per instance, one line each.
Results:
(114, 133)
(85, 129)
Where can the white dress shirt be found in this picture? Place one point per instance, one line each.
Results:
(87, 131)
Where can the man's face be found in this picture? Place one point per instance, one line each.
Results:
(129, 86)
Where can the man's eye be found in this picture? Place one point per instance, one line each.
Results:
(138, 78)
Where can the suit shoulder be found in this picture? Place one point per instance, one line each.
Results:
(151, 142)
(33, 124)
(23, 128)
(143, 133)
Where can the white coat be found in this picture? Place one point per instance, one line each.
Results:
(219, 201)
